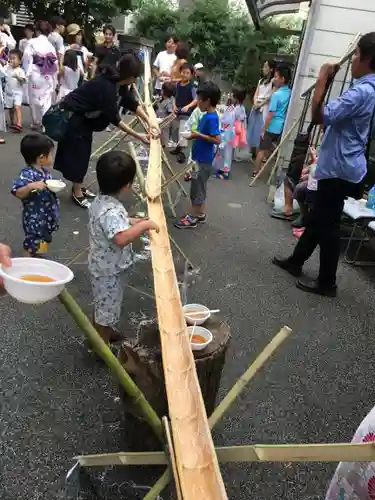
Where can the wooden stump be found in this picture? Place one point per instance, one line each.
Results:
(142, 360)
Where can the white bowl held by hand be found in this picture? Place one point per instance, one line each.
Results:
(18, 279)
(199, 332)
(185, 134)
(202, 314)
(55, 185)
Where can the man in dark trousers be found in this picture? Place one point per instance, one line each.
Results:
(342, 165)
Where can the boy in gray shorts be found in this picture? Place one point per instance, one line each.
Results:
(111, 233)
(206, 137)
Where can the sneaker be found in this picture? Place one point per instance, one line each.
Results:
(187, 222)
(171, 144)
(201, 218)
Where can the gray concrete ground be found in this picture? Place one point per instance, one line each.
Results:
(57, 401)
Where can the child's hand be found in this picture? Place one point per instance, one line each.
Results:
(40, 185)
(185, 109)
(194, 135)
(175, 110)
(152, 226)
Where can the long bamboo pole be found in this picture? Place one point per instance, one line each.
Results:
(319, 452)
(102, 349)
(196, 460)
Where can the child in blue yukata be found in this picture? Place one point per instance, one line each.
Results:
(41, 208)
(111, 233)
(206, 137)
(278, 107)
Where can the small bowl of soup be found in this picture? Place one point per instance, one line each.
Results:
(55, 185)
(196, 314)
(200, 339)
(35, 281)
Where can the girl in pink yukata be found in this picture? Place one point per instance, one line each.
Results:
(233, 134)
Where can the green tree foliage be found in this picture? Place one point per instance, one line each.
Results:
(88, 13)
(222, 36)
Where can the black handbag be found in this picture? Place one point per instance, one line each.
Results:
(56, 121)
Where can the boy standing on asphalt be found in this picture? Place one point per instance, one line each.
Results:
(206, 137)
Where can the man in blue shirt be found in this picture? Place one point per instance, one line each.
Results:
(342, 165)
(205, 138)
(274, 124)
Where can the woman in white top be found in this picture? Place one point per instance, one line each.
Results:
(29, 33)
(41, 67)
(259, 110)
(70, 75)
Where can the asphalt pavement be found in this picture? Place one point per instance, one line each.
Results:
(57, 401)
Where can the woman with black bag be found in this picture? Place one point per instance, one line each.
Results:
(92, 107)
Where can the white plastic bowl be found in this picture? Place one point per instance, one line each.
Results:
(185, 134)
(196, 319)
(55, 185)
(32, 292)
(203, 332)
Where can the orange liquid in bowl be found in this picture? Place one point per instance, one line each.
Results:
(37, 278)
(198, 339)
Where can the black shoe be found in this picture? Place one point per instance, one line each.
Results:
(313, 286)
(175, 151)
(288, 266)
(181, 158)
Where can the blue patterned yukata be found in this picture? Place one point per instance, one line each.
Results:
(41, 210)
(108, 261)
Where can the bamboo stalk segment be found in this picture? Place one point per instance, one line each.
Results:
(196, 460)
(153, 180)
(102, 349)
(322, 452)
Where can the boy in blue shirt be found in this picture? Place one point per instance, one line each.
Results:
(206, 137)
(274, 124)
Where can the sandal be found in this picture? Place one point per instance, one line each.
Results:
(254, 174)
(88, 194)
(2, 141)
(81, 201)
(187, 177)
(16, 128)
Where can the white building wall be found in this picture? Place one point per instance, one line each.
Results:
(331, 27)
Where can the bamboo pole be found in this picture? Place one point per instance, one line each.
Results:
(172, 457)
(319, 452)
(242, 382)
(275, 151)
(140, 175)
(196, 460)
(102, 349)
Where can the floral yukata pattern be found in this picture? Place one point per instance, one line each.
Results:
(356, 480)
(41, 210)
(108, 261)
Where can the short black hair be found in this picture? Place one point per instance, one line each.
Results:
(57, 21)
(284, 71)
(35, 145)
(129, 66)
(114, 171)
(239, 94)
(172, 37)
(182, 50)
(109, 27)
(43, 27)
(366, 47)
(29, 26)
(209, 91)
(16, 52)
(168, 89)
(187, 66)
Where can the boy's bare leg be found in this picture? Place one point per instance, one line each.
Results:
(198, 210)
(12, 116)
(259, 160)
(17, 111)
(288, 195)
